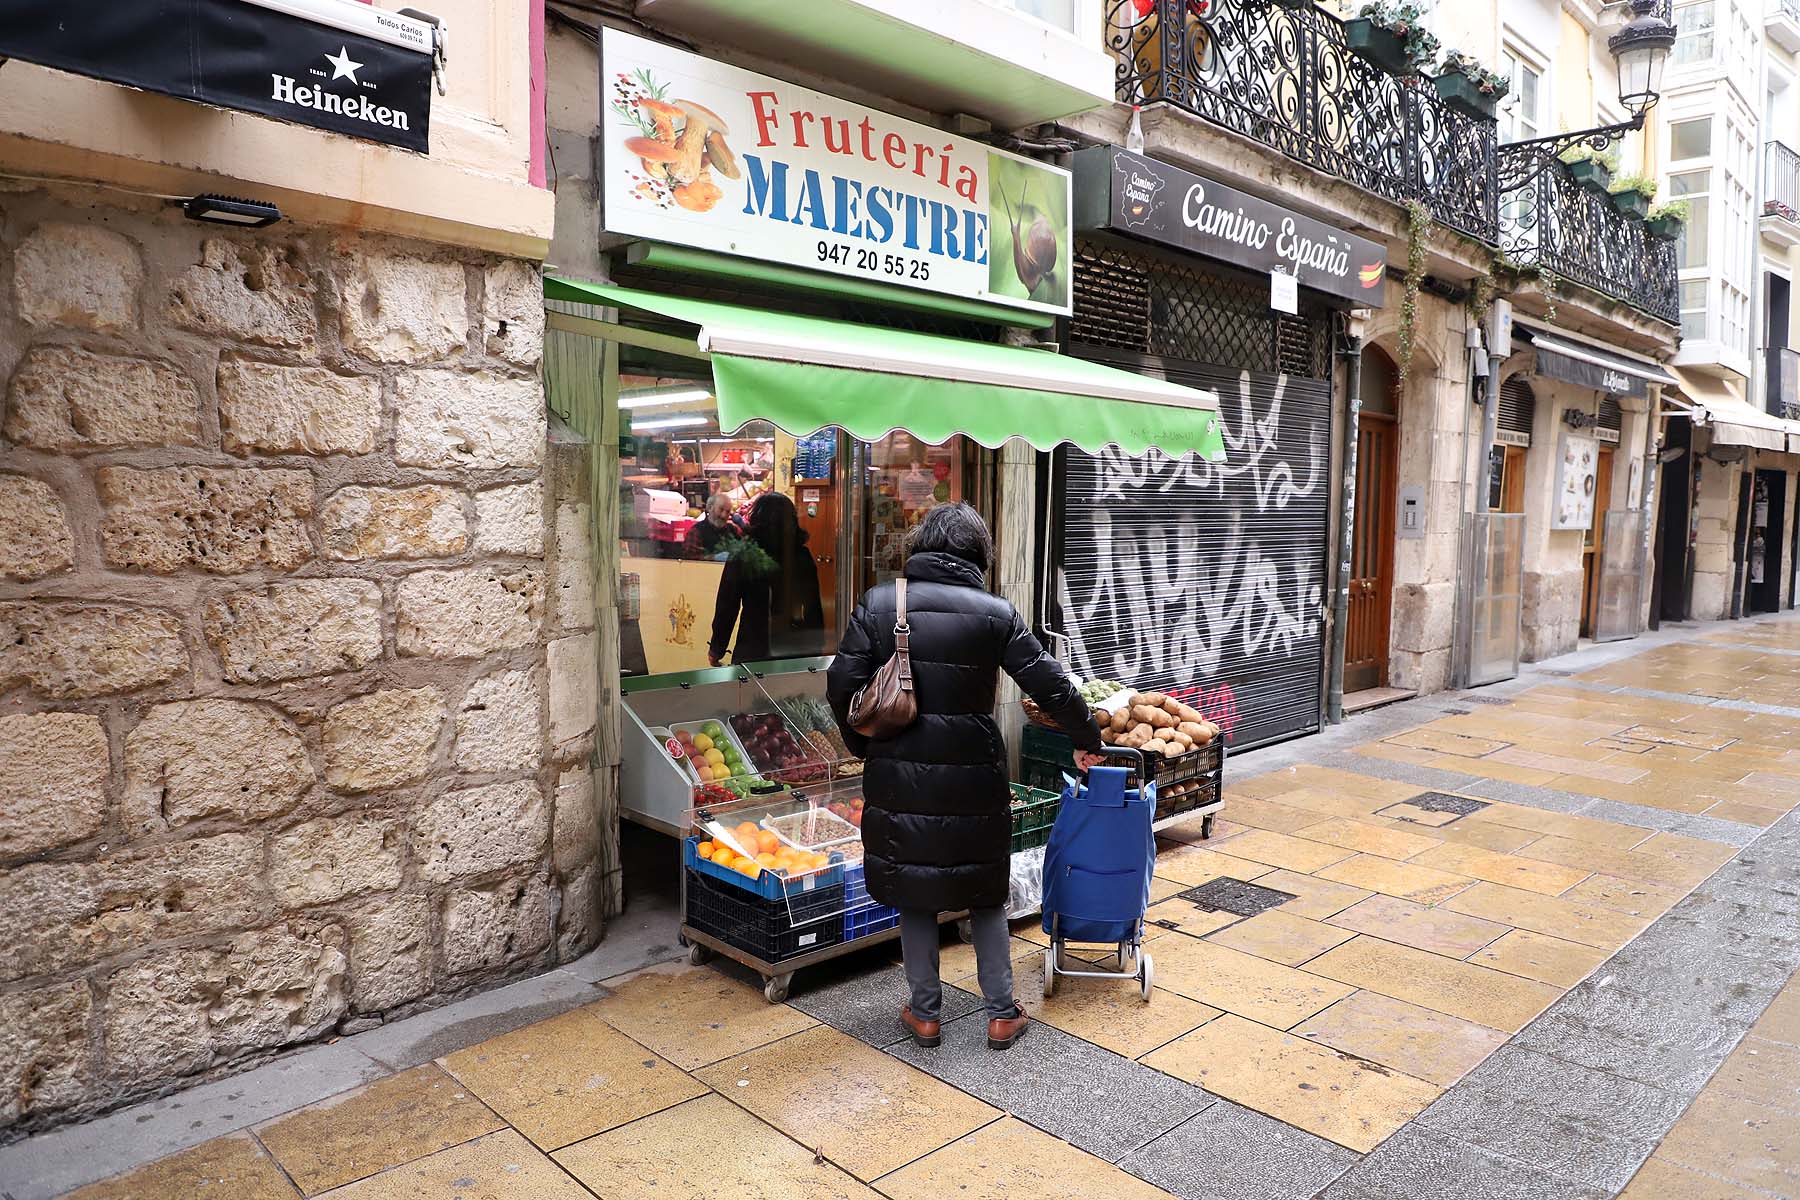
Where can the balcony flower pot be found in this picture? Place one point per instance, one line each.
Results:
(1665, 228)
(1591, 173)
(1380, 45)
(1631, 203)
(1465, 95)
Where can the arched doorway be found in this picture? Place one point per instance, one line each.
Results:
(1371, 607)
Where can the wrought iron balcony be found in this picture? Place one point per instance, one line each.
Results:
(1286, 77)
(1781, 180)
(1573, 232)
(1781, 379)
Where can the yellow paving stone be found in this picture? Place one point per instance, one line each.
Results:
(1412, 814)
(1333, 779)
(1037, 939)
(1748, 814)
(1435, 929)
(1010, 1158)
(1679, 848)
(1110, 1012)
(1432, 981)
(233, 1167)
(1193, 866)
(1488, 768)
(501, 1164)
(1184, 916)
(695, 1015)
(362, 1132)
(1284, 850)
(956, 959)
(1626, 895)
(1581, 921)
(1780, 1021)
(1328, 802)
(1400, 754)
(1628, 864)
(1540, 956)
(866, 1111)
(1422, 885)
(1370, 839)
(1562, 764)
(1444, 741)
(1503, 838)
(1281, 937)
(1275, 995)
(569, 1077)
(1427, 1045)
(705, 1147)
(1162, 889)
(1351, 1102)
(1668, 795)
(1746, 1143)
(1269, 814)
(1551, 879)
(1581, 829)
(1314, 898)
(1762, 1072)
(1661, 1179)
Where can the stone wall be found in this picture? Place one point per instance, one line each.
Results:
(296, 693)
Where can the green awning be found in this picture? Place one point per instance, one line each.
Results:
(803, 374)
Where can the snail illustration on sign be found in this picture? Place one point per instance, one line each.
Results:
(1035, 247)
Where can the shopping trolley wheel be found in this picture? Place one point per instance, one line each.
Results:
(1049, 972)
(966, 932)
(698, 955)
(775, 990)
(1206, 824)
(1146, 974)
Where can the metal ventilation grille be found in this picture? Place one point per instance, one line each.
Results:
(1131, 301)
(1611, 416)
(1518, 406)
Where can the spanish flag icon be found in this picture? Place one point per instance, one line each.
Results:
(1371, 274)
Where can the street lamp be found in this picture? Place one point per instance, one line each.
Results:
(1642, 49)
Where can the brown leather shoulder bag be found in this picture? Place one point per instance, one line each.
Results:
(886, 706)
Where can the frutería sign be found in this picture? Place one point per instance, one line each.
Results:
(1127, 193)
(699, 153)
(330, 64)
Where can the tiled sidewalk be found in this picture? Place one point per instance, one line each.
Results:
(1352, 984)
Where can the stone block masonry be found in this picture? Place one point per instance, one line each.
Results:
(297, 650)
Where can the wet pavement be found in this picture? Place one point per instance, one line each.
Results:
(1535, 941)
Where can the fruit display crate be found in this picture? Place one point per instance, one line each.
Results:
(770, 930)
(862, 916)
(767, 885)
(1033, 814)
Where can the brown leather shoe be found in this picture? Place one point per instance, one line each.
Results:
(925, 1034)
(1004, 1031)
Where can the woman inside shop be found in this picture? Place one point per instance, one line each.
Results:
(936, 830)
(769, 590)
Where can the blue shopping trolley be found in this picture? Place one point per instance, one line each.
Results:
(1097, 871)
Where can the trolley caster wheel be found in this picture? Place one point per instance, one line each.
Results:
(1146, 976)
(966, 931)
(1206, 827)
(775, 989)
(681, 940)
(1049, 972)
(698, 955)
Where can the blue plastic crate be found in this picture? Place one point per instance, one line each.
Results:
(768, 885)
(863, 916)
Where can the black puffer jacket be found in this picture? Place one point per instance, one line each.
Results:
(937, 829)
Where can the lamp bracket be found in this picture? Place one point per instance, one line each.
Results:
(1521, 162)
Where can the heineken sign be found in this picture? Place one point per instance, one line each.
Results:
(1123, 192)
(331, 64)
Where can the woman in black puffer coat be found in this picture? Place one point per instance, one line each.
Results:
(937, 827)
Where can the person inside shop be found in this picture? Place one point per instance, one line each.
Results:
(747, 489)
(769, 590)
(707, 536)
(936, 827)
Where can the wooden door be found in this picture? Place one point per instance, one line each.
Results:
(1594, 542)
(1372, 555)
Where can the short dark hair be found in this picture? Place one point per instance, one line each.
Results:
(955, 529)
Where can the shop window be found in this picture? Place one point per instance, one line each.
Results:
(733, 541)
(1695, 30)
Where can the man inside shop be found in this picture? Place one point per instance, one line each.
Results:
(707, 537)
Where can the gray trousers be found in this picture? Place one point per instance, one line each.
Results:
(993, 961)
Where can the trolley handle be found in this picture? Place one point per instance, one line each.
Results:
(1137, 757)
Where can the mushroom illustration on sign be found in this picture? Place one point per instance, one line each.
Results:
(656, 155)
(680, 144)
(691, 172)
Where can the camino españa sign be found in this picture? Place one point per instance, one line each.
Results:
(1127, 193)
(699, 153)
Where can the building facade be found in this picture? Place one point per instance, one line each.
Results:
(297, 697)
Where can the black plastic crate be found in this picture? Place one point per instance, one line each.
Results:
(772, 930)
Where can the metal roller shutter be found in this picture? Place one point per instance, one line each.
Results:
(1518, 408)
(1201, 579)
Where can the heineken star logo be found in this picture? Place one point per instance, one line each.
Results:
(343, 66)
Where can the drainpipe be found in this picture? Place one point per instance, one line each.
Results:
(1350, 350)
(1484, 483)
